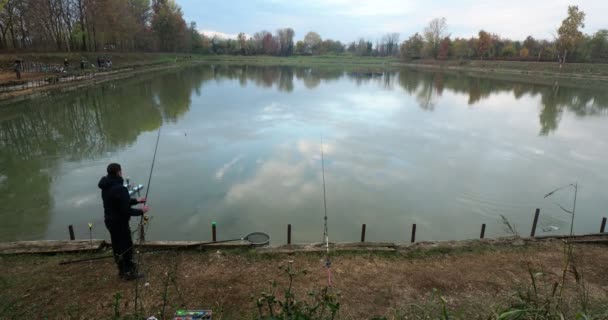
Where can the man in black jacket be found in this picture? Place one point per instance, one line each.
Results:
(117, 210)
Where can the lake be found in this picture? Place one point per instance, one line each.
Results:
(241, 146)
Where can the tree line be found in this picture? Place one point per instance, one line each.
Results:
(158, 25)
(95, 25)
(569, 44)
(434, 42)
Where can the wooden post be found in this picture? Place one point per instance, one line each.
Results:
(213, 232)
(603, 227)
(483, 231)
(71, 229)
(289, 234)
(533, 232)
(413, 233)
(363, 233)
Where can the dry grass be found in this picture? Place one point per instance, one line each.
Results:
(475, 283)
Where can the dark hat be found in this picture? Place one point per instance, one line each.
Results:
(114, 169)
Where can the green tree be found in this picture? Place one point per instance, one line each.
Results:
(508, 50)
(243, 45)
(461, 49)
(444, 48)
(168, 25)
(569, 34)
(300, 47)
(484, 43)
(412, 47)
(598, 45)
(312, 43)
(196, 41)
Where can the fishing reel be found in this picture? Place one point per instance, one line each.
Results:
(133, 189)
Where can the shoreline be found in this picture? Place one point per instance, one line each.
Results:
(97, 245)
(575, 71)
(88, 80)
(514, 71)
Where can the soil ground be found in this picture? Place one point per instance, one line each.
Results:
(476, 282)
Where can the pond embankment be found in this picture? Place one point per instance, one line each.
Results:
(467, 279)
(44, 72)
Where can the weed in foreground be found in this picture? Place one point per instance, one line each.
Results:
(319, 305)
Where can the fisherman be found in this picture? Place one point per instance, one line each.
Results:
(66, 64)
(18, 69)
(117, 211)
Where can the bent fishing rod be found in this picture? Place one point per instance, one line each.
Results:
(253, 239)
(325, 229)
(143, 219)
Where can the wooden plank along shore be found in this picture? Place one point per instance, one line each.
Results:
(51, 246)
(68, 246)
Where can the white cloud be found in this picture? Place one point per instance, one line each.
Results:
(275, 111)
(514, 19)
(275, 179)
(219, 34)
(222, 171)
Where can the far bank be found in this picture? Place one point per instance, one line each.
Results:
(46, 71)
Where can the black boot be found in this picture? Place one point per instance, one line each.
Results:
(131, 271)
(132, 275)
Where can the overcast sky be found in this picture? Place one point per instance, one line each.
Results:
(347, 20)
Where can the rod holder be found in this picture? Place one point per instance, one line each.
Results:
(413, 233)
(71, 230)
(363, 233)
(534, 223)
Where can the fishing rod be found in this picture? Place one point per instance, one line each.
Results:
(325, 230)
(143, 219)
(254, 239)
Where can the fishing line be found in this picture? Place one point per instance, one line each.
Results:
(325, 229)
(142, 221)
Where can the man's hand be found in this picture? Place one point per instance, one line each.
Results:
(141, 200)
(145, 209)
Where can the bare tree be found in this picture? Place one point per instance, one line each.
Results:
(285, 38)
(434, 33)
(390, 43)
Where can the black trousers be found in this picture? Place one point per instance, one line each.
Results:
(122, 245)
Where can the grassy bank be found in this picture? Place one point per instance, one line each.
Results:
(474, 282)
(537, 69)
(131, 59)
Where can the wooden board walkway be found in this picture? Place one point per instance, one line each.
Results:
(65, 246)
(51, 246)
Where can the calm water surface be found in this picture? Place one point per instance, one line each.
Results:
(241, 145)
